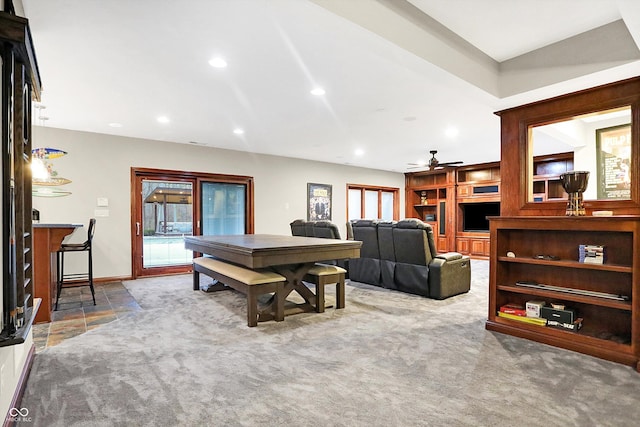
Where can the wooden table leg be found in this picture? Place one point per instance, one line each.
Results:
(294, 275)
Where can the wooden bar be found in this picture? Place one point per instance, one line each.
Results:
(47, 239)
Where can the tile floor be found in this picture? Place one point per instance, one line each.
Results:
(76, 313)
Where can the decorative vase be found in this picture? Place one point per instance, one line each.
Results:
(423, 197)
(575, 183)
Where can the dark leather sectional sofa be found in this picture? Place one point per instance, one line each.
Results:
(398, 255)
(402, 255)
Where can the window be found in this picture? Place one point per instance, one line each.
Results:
(372, 202)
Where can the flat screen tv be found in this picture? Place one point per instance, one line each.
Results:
(474, 215)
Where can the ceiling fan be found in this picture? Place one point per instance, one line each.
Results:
(435, 163)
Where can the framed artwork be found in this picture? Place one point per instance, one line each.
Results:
(318, 202)
(613, 153)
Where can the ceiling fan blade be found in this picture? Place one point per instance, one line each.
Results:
(450, 163)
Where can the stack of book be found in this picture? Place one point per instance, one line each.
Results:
(519, 313)
(591, 254)
(556, 317)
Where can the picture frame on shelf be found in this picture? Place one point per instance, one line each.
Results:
(318, 202)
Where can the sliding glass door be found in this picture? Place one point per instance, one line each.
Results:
(223, 208)
(168, 205)
(167, 216)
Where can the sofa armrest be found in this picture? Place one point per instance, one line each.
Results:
(449, 276)
(449, 256)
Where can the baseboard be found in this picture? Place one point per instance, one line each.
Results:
(100, 280)
(22, 385)
(103, 280)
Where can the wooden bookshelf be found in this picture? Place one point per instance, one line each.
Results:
(611, 327)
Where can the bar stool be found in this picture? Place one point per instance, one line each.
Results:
(76, 247)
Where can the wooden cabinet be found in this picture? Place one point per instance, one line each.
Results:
(546, 252)
(477, 246)
(479, 182)
(478, 197)
(19, 82)
(430, 196)
(456, 202)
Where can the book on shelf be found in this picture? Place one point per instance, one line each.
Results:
(532, 320)
(516, 309)
(533, 308)
(575, 326)
(591, 254)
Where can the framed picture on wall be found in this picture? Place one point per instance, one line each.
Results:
(613, 152)
(318, 202)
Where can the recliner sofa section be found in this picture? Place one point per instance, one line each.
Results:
(323, 229)
(387, 254)
(406, 259)
(366, 269)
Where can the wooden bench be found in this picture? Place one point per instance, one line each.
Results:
(323, 274)
(250, 282)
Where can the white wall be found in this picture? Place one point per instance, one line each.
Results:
(100, 166)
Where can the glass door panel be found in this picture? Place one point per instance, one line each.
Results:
(223, 208)
(167, 216)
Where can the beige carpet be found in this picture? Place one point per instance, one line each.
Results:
(387, 359)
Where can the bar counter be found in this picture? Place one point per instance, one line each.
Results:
(47, 239)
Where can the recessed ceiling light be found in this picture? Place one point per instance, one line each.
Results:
(163, 119)
(318, 91)
(218, 62)
(115, 125)
(359, 152)
(238, 131)
(451, 132)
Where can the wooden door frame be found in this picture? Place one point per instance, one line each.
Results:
(196, 178)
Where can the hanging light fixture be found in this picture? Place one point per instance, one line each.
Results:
(42, 173)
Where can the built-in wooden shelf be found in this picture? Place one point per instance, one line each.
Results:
(611, 326)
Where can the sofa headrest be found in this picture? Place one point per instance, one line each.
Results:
(387, 223)
(365, 223)
(413, 223)
(326, 229)
(297, 227)
(323, 223)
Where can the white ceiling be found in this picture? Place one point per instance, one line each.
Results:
(397, 73)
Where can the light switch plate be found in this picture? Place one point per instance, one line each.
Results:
(102, 202)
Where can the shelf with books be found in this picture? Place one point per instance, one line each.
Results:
(546, 268)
